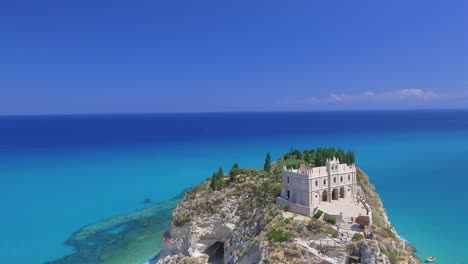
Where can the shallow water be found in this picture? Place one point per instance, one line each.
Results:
(58, 174)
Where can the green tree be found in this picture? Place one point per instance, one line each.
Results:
(217, 180)
(234, 170)
(350, 159)
(307, 157)
(267, 166)
(220, 173)
(341, 156)
(330, 153)
(320, 157)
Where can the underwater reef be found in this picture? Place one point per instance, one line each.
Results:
(125, 238)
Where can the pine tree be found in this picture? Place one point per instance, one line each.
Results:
(307, 157)
(350, 159)
(234, 170)
(217, 180)
(214, 182)
(341, 156)
(320, 157)
(267, 166)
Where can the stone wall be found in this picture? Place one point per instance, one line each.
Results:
(292, 207)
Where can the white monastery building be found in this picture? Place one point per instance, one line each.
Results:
(305, 189)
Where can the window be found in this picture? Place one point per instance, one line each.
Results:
(316, 183)
(288, 179)
(334, 180)
(341, 179)
(288, 194)
(349, 177)
(324, 182)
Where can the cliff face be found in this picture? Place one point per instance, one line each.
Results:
(242, 224)
(388, 243)
(214, 226)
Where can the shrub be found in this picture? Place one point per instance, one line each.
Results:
(363, 221)
(275, 189)
(358, 236)
(277, 235)
(335, 234)
(197, 189)
(318, 214)
(286, 208)
(392, 257)
(331, 220)
(181, 218)
(390, 232)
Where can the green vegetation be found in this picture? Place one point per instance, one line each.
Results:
(318, 214)
(180, 219)
(393, 258)
(234, 170)
(217, 180)
(390, 232)
(255, 192)
(334, 234)
(317, 158)
(358, 236)
(331, 220)
(278, 235)
(267, 166)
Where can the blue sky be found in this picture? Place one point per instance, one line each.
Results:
(71, 57)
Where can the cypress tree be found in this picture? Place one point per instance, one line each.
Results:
(267, 166)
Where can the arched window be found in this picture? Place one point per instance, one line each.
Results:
(316, 183)
(324, 182)
(288, 179)
(349, 177)
(341, 179)
(334, 180)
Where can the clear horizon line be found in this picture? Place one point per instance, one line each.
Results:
(240, 112)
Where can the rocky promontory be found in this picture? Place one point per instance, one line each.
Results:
(233, 218)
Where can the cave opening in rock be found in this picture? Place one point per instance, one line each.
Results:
(215, 252)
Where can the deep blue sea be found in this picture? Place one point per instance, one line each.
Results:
(59, 173)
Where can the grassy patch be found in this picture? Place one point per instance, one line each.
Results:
(279, 235)
(358, 236)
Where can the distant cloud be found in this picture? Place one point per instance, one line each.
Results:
(392, 99)
(396, 95)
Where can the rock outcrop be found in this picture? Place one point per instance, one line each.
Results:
(242, 224)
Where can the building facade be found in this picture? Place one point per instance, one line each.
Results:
(304, 189)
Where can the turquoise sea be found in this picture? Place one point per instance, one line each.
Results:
(60, 173)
